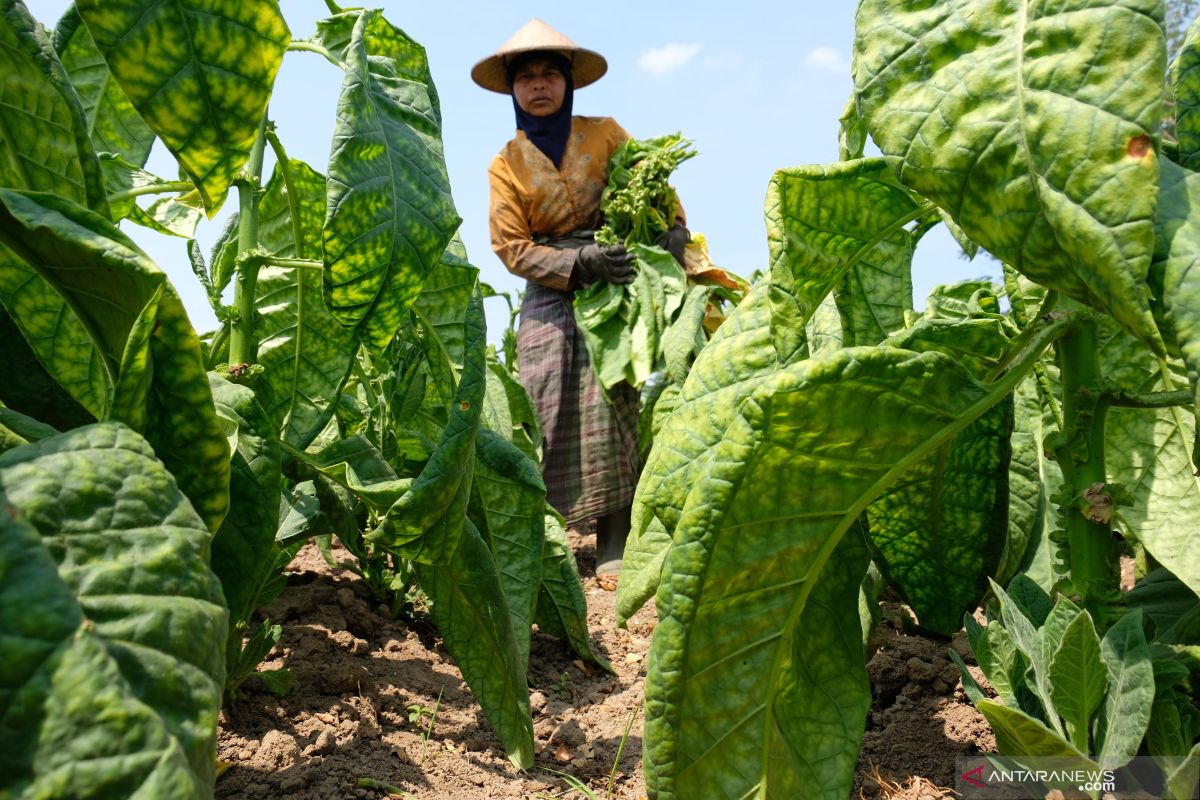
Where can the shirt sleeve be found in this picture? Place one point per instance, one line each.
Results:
(512, 239)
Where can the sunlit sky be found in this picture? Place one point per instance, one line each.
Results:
(757, 85)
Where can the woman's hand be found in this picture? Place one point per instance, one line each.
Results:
(675, 240)
(613, 263)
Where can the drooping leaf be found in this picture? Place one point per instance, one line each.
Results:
(112, 624)
(1185, 80)
(739, 357)
(623, 325)
(1151, 452)
(168, 216)
(469, 608)
(763, 526)
(510, 498)
(44, 146)
(44, 140)
(389, 213)
(990, 107)
(306, 355)
(199, 74)
(244, 546)
(140, 330)
(561, 606)
(1026, 495)
(509, 411)
(29, 388)
(1078, 678)
(1125, 714)
(426, 522)
(112, 122)
(839, 227)
(1175, 274)
(939, 531)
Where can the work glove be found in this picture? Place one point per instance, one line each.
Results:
(612, 263)
(674, 240)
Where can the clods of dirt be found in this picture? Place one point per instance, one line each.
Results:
(379, 709)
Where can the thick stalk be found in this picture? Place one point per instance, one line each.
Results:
(241, 338)
(1092, 554)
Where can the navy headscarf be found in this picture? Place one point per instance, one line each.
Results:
(550, 133)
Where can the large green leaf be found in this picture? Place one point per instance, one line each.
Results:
(199, 72)
(112, 122)
(244, 546)
(469, 608)
(112, 624)
(306, 355)
(1078, 678)
(1175, 276)
(988, 108)
(761, 531)
(1036, 640)
(939, 531)
(29, 389)
(389, 213)
(426, 522)
(510, 501)
(839, 227)
(738, 358)
(1151, 452)
(1018, 734)
(1125, 714)
(509, 411)
(44, 146)
(1026, 495)
(1003, 663)
(623, 324)
(1185, 79)
(140, 329)
(561, 606)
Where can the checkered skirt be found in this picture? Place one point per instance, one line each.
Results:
(590, 454)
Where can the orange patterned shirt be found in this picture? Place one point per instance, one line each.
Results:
(531, 198)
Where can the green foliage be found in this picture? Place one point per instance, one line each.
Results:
(113, 623)
(638, 205)
(386, 163)
(986, 108)
(199, 76)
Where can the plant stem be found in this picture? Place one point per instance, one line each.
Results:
(153, 188)
(292, 263)
(241, 339)
(313, 47)
(217, 344)
(1123, 399)
(1080, 453)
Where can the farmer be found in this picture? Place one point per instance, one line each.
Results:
(545, 205)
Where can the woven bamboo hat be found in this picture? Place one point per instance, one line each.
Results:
(491, 73)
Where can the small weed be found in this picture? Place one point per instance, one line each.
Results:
(417, 714)
(574, 784)
(563, 687)
(380, 786)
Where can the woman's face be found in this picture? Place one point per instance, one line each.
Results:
(539, 87)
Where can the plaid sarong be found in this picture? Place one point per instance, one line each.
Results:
(590, 453)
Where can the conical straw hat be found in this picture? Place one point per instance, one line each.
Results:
(491, 73)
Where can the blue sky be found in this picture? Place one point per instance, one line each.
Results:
(757, 85)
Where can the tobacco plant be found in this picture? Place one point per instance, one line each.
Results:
(156, 482)
(1040, 430)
